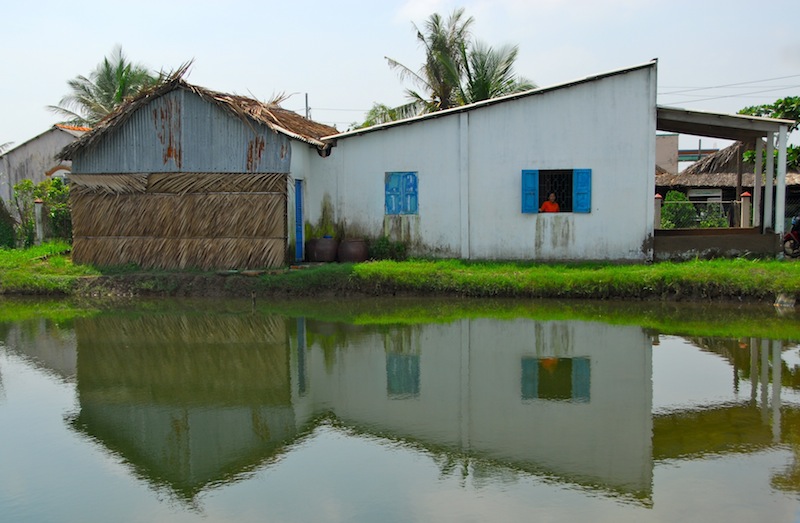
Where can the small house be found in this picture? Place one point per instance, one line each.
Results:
(182, 176)
(36, 160)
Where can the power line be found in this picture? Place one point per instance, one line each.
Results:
(738, 95)
(735, 84)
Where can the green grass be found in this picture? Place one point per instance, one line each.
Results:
(48, 269)
(44, 269)
(696, 279)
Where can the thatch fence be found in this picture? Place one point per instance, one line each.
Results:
(180, 221)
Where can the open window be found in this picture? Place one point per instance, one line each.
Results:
(572, 187)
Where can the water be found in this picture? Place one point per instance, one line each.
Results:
(182, 412)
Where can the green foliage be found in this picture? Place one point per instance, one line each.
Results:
(385, 249)
(7, 236)
(713, 215)
(786, 109)
(457, 70)
(792, 158)
(56, 214)
(55, 194)
(24, 200)
(677, 211)
(113, 81)
(783, 108)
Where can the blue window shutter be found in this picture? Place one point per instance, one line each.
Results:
(530, 191)
(529, 383)
(410, 193)
(393, 198)
(582, 190)
(581, 379)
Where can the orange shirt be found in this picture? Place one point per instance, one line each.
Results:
(549, 206)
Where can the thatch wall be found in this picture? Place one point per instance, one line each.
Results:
(184, 359)
(178, 221)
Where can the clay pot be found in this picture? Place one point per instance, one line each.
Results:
(322, 249)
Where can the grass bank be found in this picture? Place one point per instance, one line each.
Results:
(48, 270)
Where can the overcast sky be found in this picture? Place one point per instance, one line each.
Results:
(713, 55)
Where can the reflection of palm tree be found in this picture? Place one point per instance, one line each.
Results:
(114, 80)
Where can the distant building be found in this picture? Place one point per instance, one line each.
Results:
(35, 159)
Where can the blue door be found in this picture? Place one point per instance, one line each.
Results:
(298, 220)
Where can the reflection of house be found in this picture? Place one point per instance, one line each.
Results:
(35, 159)
(187, 400)
(464, 391)
(195, 399)
(44, 345)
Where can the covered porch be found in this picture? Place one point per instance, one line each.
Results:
(753, 235)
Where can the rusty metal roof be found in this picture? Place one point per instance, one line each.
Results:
(247, 109)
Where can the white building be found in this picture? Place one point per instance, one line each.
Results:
(35, 159)
(468, 182)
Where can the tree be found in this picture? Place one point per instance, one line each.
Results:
(113, 81)
(784, 108)
(440, 74)
(489, 73)
(457, 70)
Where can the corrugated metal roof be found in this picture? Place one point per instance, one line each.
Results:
(249, 110)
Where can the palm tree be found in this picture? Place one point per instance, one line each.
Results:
(457, 70)
(440, 74)
(489, 73)
(113, 81)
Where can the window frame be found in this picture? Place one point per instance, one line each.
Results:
(581, 188)
(401, 193)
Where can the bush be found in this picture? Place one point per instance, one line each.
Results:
(677, 211)
(385, 249)
(7, 223)
(56, 213)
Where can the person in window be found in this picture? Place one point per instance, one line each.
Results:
(550, 204)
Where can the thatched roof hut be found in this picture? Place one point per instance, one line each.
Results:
(181, 176)
(720, 169)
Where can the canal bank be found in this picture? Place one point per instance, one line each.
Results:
(736, 280)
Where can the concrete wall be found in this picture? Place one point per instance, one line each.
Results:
(667, 152)
(33, 160)
(469, 167)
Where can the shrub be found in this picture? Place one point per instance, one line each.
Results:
(677, 211)
(385, 249)
(7, 223)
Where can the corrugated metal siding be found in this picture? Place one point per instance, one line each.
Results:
(180, 132)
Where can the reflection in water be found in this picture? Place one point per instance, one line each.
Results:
(189, 400)
(193, 401)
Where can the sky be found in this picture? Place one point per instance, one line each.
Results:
(712, 55)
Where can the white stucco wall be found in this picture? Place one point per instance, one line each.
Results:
(31, 160)
(469, 167)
